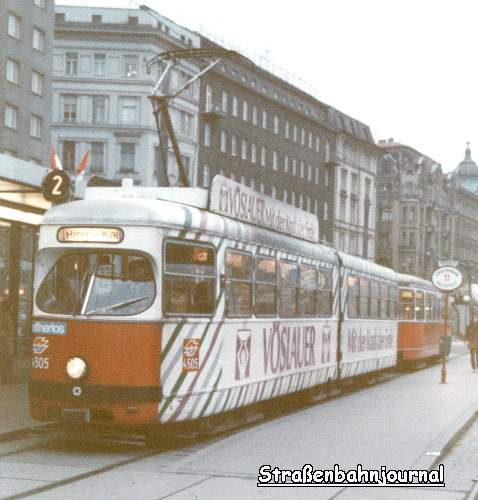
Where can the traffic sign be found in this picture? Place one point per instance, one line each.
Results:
(447, 278)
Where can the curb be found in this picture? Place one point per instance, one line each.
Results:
(443, 443)
(26, 431)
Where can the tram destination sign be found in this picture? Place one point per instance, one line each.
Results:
(447, 278)
(239, 202)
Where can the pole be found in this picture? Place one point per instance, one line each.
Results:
(443, 366)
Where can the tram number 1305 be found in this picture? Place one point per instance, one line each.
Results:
(40, 362)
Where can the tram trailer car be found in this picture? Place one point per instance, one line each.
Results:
(420, 320)
(155, 310)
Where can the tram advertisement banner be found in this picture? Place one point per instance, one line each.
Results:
(242, 203)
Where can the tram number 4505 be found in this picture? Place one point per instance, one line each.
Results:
(40, 362)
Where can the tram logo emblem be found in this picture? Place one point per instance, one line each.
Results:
(40, 345)
(191, 355)
(243, 354)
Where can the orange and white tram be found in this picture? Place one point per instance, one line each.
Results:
(166, 305)
(420, 319)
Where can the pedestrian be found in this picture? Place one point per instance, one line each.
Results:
(7, 341)
(471, 338)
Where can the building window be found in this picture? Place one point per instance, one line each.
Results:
(302, 137)
(207, 134)
(205, 176)
(68, 155)
(13, 28)
(354, 185)
(245, 111)
(40, 3)
(302, 169)
(309, 172)
(327, 151)
(186, 123)
(317, 173)
(292, 198)
(11, 116)
(253, 183)
(224, 102)
(254, 152)
(294, 166)
(35, 126)
(284, 195)
(275, 160)
(254, 115)
(263, 156)
(235, 106)
(127, 157)
(99, 64)
(38, 42)
(295, 133)
(274, 192)
(326, 210)
(317, 144)
(287, 129)
(37, 83)
(71, 63)
(99, 109)
(264, 120)
(286, 164)
(310, 140)
(301, 201)
(69, 108)
(128, 110)
(261, 187)
(97, 156)
(233, 145)
(276, 125)
(208, 98)
(130, 66)
(244, 149)
(13, 71)
(223, 141)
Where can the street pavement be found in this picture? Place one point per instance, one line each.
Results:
(407, 422)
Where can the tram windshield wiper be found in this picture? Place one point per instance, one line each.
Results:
(116, 306)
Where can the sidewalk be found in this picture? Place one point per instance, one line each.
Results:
(14, 413)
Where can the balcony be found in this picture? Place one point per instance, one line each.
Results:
(213, 113)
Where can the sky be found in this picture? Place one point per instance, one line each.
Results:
(408, 68)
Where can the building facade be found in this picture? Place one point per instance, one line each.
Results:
(356, 161)
(464, 216)
(414, 227)
(101, 88)
(261, 131)
(25, 85)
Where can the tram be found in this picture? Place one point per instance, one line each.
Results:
(169, 305)
(420, 320)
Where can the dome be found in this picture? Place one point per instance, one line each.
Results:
(467, 168)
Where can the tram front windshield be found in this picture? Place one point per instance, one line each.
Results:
(106, 284)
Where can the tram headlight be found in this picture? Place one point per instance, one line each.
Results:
(76, 368)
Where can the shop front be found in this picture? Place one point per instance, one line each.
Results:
(21, 207)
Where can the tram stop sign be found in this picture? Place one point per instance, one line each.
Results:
(56, 186)
(447, 278)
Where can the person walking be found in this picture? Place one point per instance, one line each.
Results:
(471, 338)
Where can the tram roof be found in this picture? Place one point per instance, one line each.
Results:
(367, 266)
(134, 211)
(415, 281)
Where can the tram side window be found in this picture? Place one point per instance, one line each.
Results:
(392, 302)
(429, 299)
(238, 284)
(419, 305)
(289, 281)
(265, 286)
(364, 297)
(406, 305)
(324, 294)
(352, 297)
(189, 279)
(384, 312)
(307, 291)
(374, 298)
